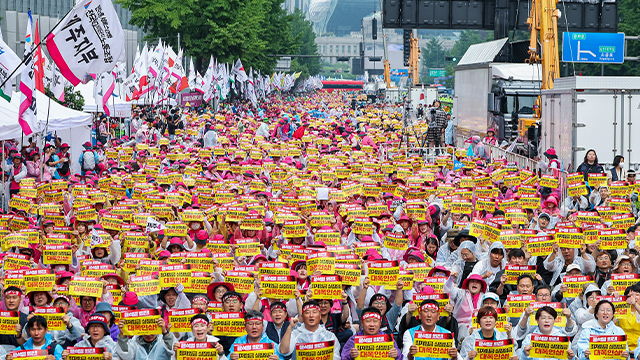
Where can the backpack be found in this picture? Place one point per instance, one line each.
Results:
(88, 160)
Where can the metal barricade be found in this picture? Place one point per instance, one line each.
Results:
(428, 154)
(523, 162)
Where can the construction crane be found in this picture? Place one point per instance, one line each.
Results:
(414, 59)
(543, 23)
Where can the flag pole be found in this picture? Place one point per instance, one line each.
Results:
(25, 58)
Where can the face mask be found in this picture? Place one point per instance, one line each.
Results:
(268, 228)
(621, 164)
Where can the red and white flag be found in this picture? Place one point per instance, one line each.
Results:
(103, 88)
(38, 65)
(178, 73)
(28, 110)
(238, 71)
(89, 40)
(422, 93)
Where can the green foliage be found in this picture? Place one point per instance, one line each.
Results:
(433, 54)
(224, 29)
(72, 99)
(468, 38)
(302, 31)
(629, 15)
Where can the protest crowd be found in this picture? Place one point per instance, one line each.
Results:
(299, 229)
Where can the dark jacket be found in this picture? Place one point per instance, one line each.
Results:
(586, 169)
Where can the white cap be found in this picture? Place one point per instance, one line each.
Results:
(492, 296)
(573, 267)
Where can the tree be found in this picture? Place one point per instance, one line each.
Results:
(225, 29)
(433, 54)
(468, 38)
(72, 99)
(629, 15)
(302, 31)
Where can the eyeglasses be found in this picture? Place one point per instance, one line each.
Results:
(605, 310)
(231, 301)
(220, 291)
(379, 303)
(253, 323)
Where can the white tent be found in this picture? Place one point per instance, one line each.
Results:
(118, 107)
(73, 127)
(59, 117)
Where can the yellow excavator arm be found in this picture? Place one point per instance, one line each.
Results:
(543, 23)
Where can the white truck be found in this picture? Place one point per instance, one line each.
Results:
(494, 95)
(430, 94)
(592, 112)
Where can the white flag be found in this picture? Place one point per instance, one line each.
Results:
(103, 88)
(8, 63)
(57, 83)
(238, 71)
(89, 40)
(192, 75)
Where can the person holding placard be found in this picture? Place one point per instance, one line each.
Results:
(156, 347)
(601, 325)
(631, 324)
(98, 335)
(487, 318)
(370, 320)
(429, 315)
(492, 264)
(562, 257)
(543, 295)
(583, 308)
(41, 339)
(623, 265)
(467, 298)
(389, 311)
(309, 331)
(73, 331)
(275, 329)
(12, 299)
(466, 262)
(254, 325)
(199, 333)
(557, 294)
(546, 317)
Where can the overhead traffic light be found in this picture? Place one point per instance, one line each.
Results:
(406, 42)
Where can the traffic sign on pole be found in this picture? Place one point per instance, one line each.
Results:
(586, 47)
(437, 72)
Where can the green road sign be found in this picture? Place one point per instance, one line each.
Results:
(437, 72)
